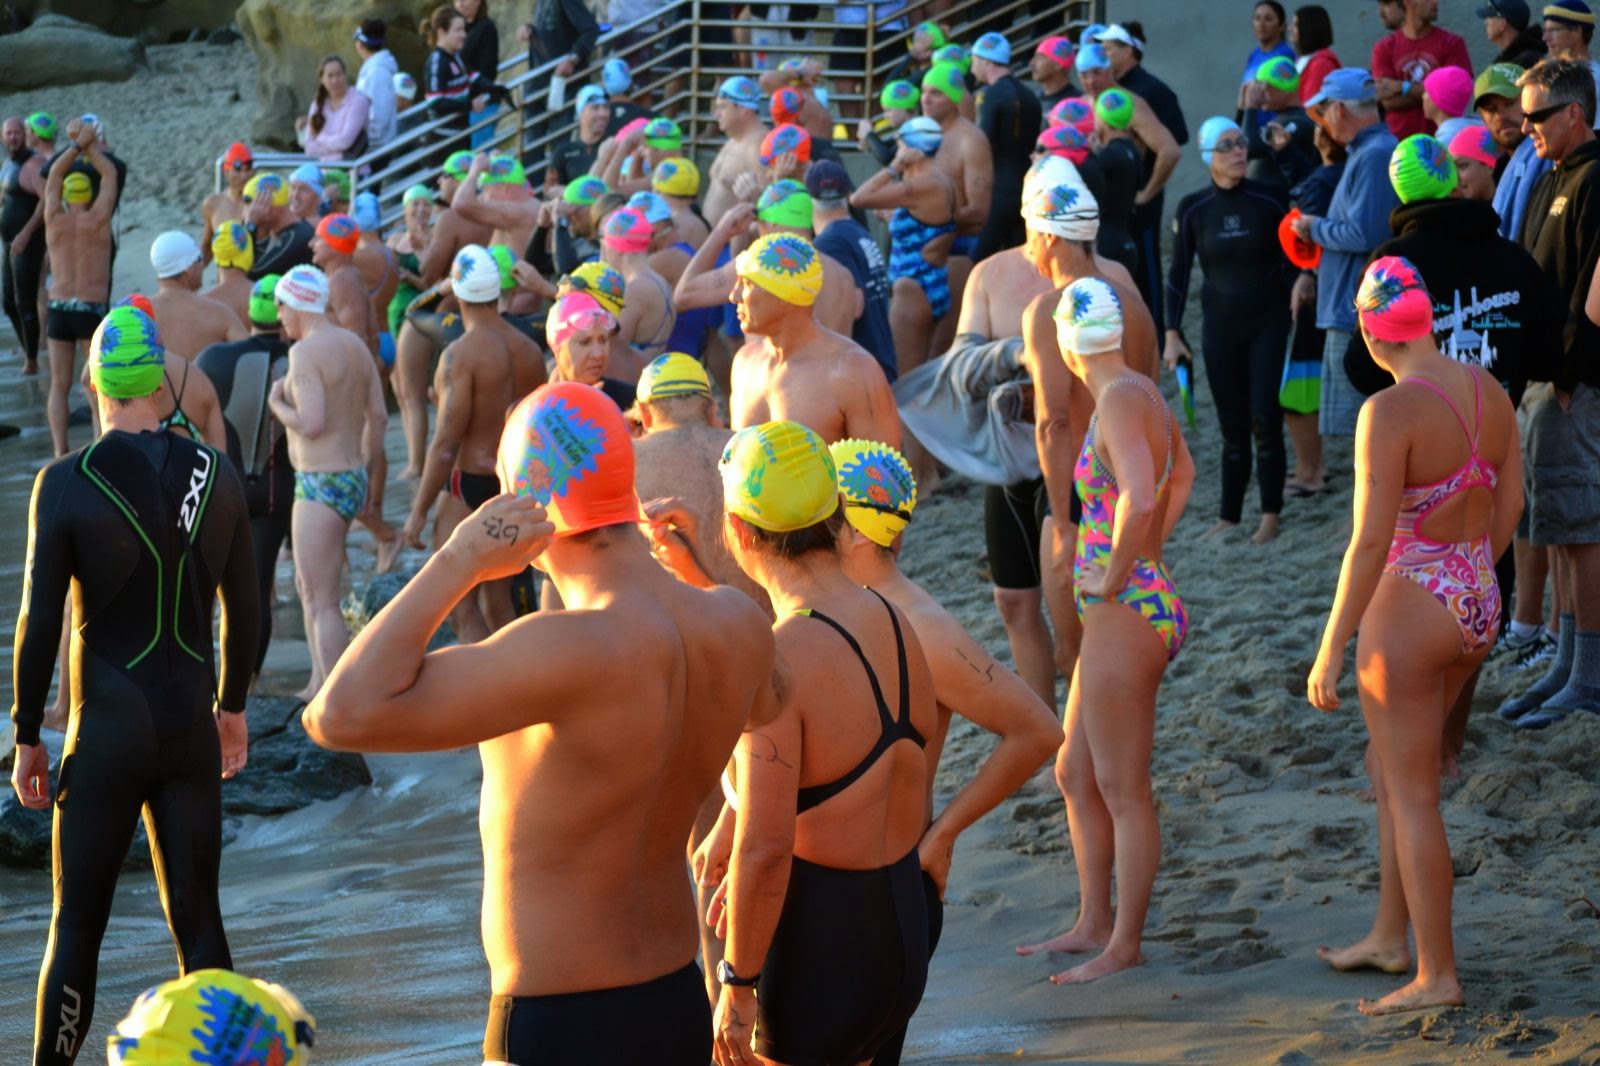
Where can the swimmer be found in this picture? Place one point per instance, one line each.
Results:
(238, 167)
(307, 192)
(840, 238)
(452, 231)
(495, 193)
(1051, 67)
(331, 406)
(647, 318)
(333, 251)
(380, 273)
(677, 180)
(579, 332)
(189, 321)
(627, 163)
(1133, 476)
(965, 155)
(1439, 476)
(282, 241)
(179, 1021)
(1010, 117)
(588, 919)
(77, 232)
(22, 186)
(154, 725)
(793, 368)
(738, 117)
(481, 376)
(234, 253)
(801, 77)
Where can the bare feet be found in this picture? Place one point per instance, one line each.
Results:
(1102, 965)
(410, 473)
(1445, 992)
(30, 368)
(1076, 940)
(1369, 955)
(1217, 530)
(1267, 530)
(389, 552)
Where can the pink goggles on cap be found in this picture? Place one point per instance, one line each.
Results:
(574, 313)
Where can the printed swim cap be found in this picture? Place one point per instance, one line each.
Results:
(567, 445)
(1068, 210)
(336, 185)
(1475, 143)
(946, 78)
(271, 186)
(673, 374)
(879, 490)
(458, 164)
(1280, 73)
(576, 312)
(742, 91)
(901, 95)
(1089, 318)
(1115, 108)
(303, 288)
(584, 190)
(656, 210)
(264, 301)
(1046, 171)
(786, 105)
(994, 47)
(955, 54)
(405, 86)
(77, 189)
(930, 30)
(214, 1016)
(1075, 111)
(922, 134)
(1213, 130)
(794, 68)
(1058, 50)
(663, 133)
(616, 76)
(125, 354)
(417, 192)
(627, 231)
(238, 156)
(504, 170)
(475, 276)
(785, 203)
(506, 261)
(600, 281)
(232, 247)
(366, 212)
(1092, 57)
(778, 476)
(1065, 141)
(142, 302)
(676, 176)
(785, 265)
(43, 125)
(340, 233)
(1393, 302)
(1420, 169)
(786, 138)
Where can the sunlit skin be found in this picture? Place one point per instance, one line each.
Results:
(584, 355)
(1565, 41)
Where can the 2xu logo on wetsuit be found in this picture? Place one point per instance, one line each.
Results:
(191, 499)
(67, 1035)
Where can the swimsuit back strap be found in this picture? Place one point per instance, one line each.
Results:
(1472, 438)
(884, 718)
(903, 720)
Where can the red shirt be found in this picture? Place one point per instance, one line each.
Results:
(1402, 59)
(1317, 66)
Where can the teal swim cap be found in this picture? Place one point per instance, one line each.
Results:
(1421, 169)
(264, 301)
(900, 94)
(1115, 109)
(417, 192)
(125, 355)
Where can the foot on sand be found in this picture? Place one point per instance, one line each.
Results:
(389, 552)
(1217, 530)
(30, 368)
(1076, 940)
(1368, 955)
(1102, 965)
(1415, 996)
(1267, 530)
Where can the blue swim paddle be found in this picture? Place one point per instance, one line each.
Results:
(1185, 374)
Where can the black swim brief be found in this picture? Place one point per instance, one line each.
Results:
(474, 490)
(72, 320)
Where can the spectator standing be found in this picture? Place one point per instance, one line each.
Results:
(563, 32)
(1401, 60)
(1268, 22)
(1506, 25)
(336, 127)
(848, 241)
(617, 79)
(481, 54)
(451, 87)
(376, 81)
(1568, 31)
(1311, 34)
(1499, 103)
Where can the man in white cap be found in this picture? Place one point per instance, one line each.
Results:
(481, 376)
(190, 322)
(306, 192)
(738, 117)
(331, 405)
(1010, 116)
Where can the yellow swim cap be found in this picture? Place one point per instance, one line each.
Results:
(879, 490)
(676, 176)
(77, 189)
(778, 476)
(673, 374)
(784, 264)
(232, 247)
(597, 279)
(269, 185)
(214, 1016)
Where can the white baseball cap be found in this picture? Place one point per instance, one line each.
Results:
(172, 253)
(405, 85)
(1120, 34)
(303, 288)
(475, 276)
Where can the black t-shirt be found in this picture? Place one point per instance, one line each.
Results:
(572, 159)
(1118, 162)
(1048, 101)
(850, 243)
(622, 394)
(624, 112)
(288, 248)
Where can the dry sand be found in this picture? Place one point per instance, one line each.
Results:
(367, 905)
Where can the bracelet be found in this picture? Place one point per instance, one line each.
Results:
(1405, 88)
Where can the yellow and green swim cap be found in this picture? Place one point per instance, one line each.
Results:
(784, 264)
(673, 374)
(214, 1016)
(271, 186)
(778, 476)
(125, 354)
(604, 283)
(232, 247)
(879, 490)
(676, 176)
(77, 189)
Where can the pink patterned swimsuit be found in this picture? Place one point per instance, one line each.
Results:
(1460, 576)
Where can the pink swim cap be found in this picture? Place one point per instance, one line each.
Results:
(1066, 141)
(628, 230)
(1076, 111)
(1475, 143)
(1450, 89)
(567, 446)
(1393, 302)
(636, 124)
(576, 312)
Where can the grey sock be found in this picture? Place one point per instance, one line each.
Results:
(1555, 678)
(1582, 690)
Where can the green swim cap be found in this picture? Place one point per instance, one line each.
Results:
(43, 125)
(336, 179)
(1115, 109)
(900, 94)
(417, 192)
(933, 32)
(1280, 73)
(264, 301)
(663, 133)
(125, 355)
(954, 53)
(504, 170)
(948, 79)
(458, 164)
(785, 203)
(505, 261)
(584, 190)
(778, 476)
(1421, 169)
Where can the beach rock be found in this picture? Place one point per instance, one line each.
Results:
(360, 607)
(60, 51)
(161, 21)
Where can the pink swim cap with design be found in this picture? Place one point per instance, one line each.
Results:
(628, 230)
(1393, 303)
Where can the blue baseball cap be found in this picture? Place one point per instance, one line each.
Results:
(742, 91)
(994, 47)
(616, 76)
(1347, 85)
(589, 94)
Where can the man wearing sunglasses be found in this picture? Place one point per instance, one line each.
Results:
(238, 166)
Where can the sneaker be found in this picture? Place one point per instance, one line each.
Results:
(1535, 654)
(1510, 642)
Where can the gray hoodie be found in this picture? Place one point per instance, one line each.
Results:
(376, 81)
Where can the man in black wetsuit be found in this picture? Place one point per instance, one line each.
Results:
(282, 240)
(242, 373)
(136, 521)
(21, 188)
(1010, 117)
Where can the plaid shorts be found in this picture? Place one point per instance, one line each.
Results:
(1341, 401)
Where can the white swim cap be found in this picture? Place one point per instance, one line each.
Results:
(1089, 318)
(475, 276)
(172, 253)
(1067, 210)
(303, 288)
(1049, 170)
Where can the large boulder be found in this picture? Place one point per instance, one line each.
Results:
(159, 21)
(60, 51)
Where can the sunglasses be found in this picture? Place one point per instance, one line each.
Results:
(1230, 144)
(237, 164)
(1545, 114)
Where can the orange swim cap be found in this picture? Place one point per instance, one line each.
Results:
(340, 233)
(567, 446)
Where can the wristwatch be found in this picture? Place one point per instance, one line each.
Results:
(725, 975)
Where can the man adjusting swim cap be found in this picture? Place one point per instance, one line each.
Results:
(878, 488)
(778, 476)
(567, 445)
(125, 355)
(785, 265)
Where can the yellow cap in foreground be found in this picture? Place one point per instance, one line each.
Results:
(878, 488)
(784, 264)
(779, 477)
(673, 374)
(214, 1016)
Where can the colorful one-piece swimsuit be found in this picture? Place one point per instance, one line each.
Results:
(1150, 589)
(1460, 576)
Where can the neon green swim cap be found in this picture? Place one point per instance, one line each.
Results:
(1280, 73)
(264, 301)
(505, 261)
(458, 164)
(948, 79)
(785, 203)
(954, 53)
(899, 94)
(418, 192)
(125, 355)
(1421, 169)
(504, 170)
(43, 125)
(1115, 109)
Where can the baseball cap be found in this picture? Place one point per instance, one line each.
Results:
(1347, 85)
(1513, 11)
(1497, 79)
(994, 47)
(1569, 12)
(1119, 33)
(172, 253)
(616, 76)
(828, 182)
(567, 445)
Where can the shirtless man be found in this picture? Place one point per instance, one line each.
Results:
(480, 377)
(589, 926)
(739, 118)
(505, 203)
(647, 315)
(331, 405)
(238, 167)
(964, 154)
(803, 77)
(77, 232)
(451, 230)
(234, 253)
(792, 369)
(380, 272)
(189, 322)
(282, 241)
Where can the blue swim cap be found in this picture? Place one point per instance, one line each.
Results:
(742, 91)
(1093, 57)
(366, 213)
(1212, 130)
(616, 76)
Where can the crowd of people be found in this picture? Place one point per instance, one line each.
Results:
(1402, 255)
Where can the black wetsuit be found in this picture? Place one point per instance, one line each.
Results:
(1147, 219)
(572, 158)
(288, 248)
(243, 373)
(20, 272)
(849, 957)
(1010, 116)
(142, 529)
(1120, 168)
(1245, 325)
